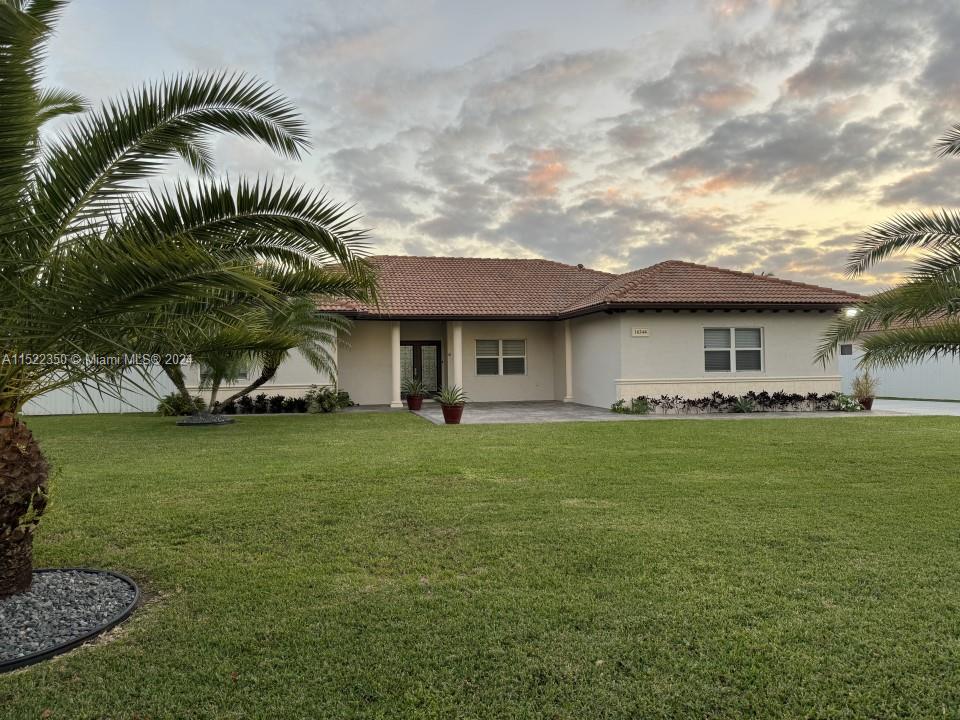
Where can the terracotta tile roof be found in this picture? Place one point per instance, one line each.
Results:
(475, 287)
(412, 286)
(678, 283)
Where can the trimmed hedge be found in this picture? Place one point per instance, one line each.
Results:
(317, 400)
(750, 402)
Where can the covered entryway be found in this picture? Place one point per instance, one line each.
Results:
(421, 360)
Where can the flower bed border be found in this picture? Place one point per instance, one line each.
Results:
(40, 655)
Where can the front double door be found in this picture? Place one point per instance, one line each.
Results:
(420, 359)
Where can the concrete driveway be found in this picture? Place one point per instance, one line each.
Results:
(494, 413)
(916, 407)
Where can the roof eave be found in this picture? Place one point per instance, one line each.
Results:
(596, 308)
(614, 306)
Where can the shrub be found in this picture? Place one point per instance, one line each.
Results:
(260, 404)
(295, 405)
(744, 404)
(229, 408)
(275, 403)
(640, 406)
(245, 404)
(175, 404)
(845, 403)
(719, 403)
(326, 399)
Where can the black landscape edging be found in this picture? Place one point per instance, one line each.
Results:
(40, 655)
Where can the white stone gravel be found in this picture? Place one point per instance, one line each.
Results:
(61, 606)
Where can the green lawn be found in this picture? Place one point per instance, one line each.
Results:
(378, 566)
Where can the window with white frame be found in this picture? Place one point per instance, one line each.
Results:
(501, 357)
(733, 349)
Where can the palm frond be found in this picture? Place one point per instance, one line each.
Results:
(892, 348)
(914, 302)
(274, 220)
(54, 102)
(909, 231)
(949, 142)
(106, 152)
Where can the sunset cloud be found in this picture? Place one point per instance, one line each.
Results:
(759, 134)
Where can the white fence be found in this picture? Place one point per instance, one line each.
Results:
(930, 380)
(133, 394)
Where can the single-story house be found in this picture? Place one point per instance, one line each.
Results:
(518, 329)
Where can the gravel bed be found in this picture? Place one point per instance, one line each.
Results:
(205, 419)
(60, 607)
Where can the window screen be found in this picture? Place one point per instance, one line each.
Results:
(732, 349)
(501, 357)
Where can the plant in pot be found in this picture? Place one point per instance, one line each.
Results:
(415, 391)
(864, 389)
(452, 399)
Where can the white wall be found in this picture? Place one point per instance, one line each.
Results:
(135, 395)
(929, 380)
(669, 360)
(293, 379)
(596, 358)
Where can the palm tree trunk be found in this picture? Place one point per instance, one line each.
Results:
(214, 390)
(266, 375)
(23, 481)
(175, 373)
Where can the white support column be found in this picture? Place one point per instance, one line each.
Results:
(395, 400)
(456, 372)
(568, 360)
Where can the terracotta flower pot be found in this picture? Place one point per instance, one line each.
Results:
(866, 403)
(414, 402)
(452, 414)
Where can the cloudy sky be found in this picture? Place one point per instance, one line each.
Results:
(761, 135)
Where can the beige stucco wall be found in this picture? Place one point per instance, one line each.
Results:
(670, 359)
(608, 362)
(559, 362)
(293, 379)
(536, 384)
(364, 362)
(596, 358)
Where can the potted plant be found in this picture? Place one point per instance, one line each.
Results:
(864, 389)
(415, 392)
(452, 400)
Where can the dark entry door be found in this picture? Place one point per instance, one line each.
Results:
(420, 359)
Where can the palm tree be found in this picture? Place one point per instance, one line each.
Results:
(920, 318)
(92, 257)
(295, 325)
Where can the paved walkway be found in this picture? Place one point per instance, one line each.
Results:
(551, 412)
(916, 407)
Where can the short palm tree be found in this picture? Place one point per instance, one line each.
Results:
(277, 332)
(920, 318)
(93, 256)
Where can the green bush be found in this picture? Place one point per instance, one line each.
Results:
(260, 404)
(638, 406)
(174, 405)
(326, 399)
(744, 404)
(845, 403)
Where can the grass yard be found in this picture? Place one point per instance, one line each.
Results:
(365, 565)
